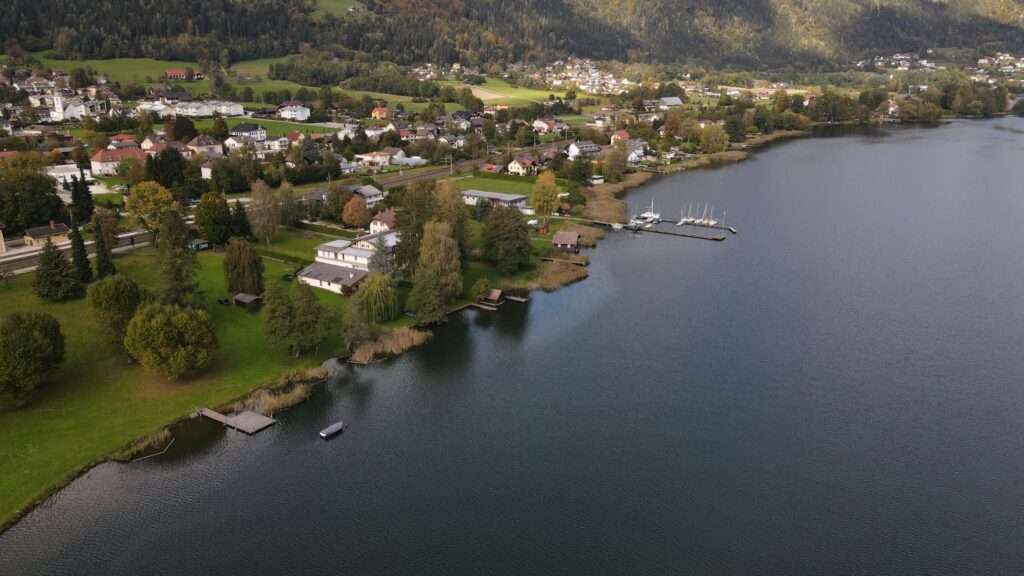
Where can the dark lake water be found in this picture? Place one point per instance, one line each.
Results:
(839, 389)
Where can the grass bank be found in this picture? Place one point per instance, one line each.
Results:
(99, 403)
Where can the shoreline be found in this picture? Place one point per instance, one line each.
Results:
(608, 194)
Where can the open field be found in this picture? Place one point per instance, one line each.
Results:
(98, 402)
(497, 91)
(335, 7)
(293, 245)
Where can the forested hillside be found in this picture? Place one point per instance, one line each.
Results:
(747, 32)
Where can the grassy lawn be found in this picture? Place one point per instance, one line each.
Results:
(503, 184)
(97, 402)
(497, 91)
(297, 246)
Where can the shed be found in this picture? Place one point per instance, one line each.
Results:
(250, 302)
(493, 298)
(567, 241)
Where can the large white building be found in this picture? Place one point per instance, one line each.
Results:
(341, 265)
(294, 112)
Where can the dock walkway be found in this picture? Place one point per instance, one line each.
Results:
(248, 422)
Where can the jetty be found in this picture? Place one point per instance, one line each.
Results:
(248, 421)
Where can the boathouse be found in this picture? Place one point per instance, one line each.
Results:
(567, 241)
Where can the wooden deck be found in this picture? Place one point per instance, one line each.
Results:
(248, 422)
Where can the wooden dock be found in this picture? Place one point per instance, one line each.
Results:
(248, 422)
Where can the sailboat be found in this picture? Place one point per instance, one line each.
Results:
(711, 222)
(651, 217)
(684, 220)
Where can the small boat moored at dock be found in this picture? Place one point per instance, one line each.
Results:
(332, 430)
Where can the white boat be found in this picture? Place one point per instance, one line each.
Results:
(332, 430)
(684, 220)
(616, 226)
(650, 216)
(711, 222)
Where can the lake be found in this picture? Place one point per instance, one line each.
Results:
(838, 389)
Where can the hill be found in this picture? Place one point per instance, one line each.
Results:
(743, 32)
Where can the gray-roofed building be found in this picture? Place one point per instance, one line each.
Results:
(337, 279)
(475, 197)
(56, 232)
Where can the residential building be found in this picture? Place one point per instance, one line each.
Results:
(250, 130)
(67, 173)
(55, 232)
(380, 113)
(295, 112)
(582, 148)
(105, 162)
(370, 194)
(383, 221)
(522, 167)
(206, 145)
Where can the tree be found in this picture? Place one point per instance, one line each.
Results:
(81, 199)
(265, 211)
(335, 203)
(114, 301)
(354, 328)
(736, 128)
(150, 201)
(240, 221)
(182, 129)
(243, 268)
(220, 128)
(79, 256)
(55, 279)
(174, 233)
(545, 196)
(213, 216)
(355, 214)
(377, 298)
(383, 259)
(288, 205)
(166, 168)
(507, 239)
(295, 320)
(480, 288)
(713, 139)
(417, 209)
(615, 162)
(437, 280)
(449, 207)
(172, 341)
(27, 198)
(31, 347)
(104, 255)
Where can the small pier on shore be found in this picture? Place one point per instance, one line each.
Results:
(248, 422)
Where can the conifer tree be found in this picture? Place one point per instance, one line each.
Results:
(55, 278)
(104, 256)
(79, 256)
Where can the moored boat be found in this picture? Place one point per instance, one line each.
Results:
(332, 430)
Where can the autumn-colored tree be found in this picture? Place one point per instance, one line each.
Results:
(243, 268)
(150, 201)
(356, 214)
(264, 211)
(545, 196)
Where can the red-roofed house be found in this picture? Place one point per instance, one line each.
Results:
(522, 167)
(380, 113)
(104, 162)
(383, 222)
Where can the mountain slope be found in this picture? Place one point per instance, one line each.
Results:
(747, 32)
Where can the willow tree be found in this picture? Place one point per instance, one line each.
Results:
(243, 268)
(377, 298)
(265, 211)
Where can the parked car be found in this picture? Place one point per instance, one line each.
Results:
(198, 245)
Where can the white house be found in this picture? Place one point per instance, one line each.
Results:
(105, 162)
(250, 130)
(333, 278)
(383, 221)
(374, 160)
(522, 167)
(340, 265)
(66, 108)
(370, 194)
(294, 112)
(583, 147)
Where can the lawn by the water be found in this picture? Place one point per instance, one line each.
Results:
(98, 402)
(502, 184)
